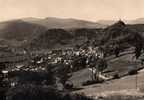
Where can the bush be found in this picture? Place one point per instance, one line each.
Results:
(69, 85)
(116, 76)
(89, 82)
(132, 72)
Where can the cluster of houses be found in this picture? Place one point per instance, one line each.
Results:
(74, 59)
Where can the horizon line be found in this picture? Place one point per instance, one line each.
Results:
(90, 20)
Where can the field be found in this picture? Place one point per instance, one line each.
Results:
(126, 85)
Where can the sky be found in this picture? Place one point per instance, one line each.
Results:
(92, 10)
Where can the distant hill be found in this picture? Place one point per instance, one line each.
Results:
(54, 30)
(136, 21)
(69, 23)
(106, 22)
(132, 22)
(19, 30)
(51, 38)
(115, 30)
(137, 27)
(50, 32)
(122, 33)
(62, 38)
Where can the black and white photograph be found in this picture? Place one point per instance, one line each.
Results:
(71, 49)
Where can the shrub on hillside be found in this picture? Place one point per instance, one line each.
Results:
(90, 82)
(116, 76)
(132, 72)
